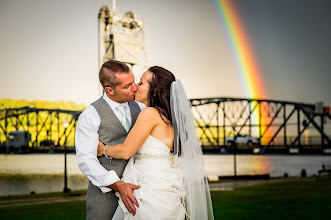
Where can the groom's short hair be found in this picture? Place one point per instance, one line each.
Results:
(108, 70)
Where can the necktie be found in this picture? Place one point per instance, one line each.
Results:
(124, 119)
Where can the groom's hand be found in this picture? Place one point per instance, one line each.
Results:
(126, 192)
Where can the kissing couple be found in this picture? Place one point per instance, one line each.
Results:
(138, 147)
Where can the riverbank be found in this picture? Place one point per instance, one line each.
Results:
(16, 183)
(44, 173)
(80, 195)
(282, 198)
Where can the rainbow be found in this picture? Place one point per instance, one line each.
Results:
(247, 67)
(245, 61)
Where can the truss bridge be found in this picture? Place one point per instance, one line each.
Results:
(261, 125)
(32, 129)
(222, 124)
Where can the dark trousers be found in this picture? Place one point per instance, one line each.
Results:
(100, 206)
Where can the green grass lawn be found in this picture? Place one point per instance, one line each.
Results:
(299, 199)
(51, 211)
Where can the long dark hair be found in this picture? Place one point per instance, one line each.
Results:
(159, 90)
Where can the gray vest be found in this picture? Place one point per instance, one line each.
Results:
(112, 132)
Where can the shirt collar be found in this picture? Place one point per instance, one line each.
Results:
(114, 104)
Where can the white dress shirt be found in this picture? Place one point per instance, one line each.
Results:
(87, 140)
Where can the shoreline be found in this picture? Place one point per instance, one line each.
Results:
(57, 197)
(14, 184)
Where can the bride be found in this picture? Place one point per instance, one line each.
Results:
(167, 159)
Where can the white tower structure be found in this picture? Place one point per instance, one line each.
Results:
(122, 37)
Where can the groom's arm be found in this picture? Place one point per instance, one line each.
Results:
(86, 141)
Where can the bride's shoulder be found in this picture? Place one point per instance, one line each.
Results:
(148, 115)
(149, 111)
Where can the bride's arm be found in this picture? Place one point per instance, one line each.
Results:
(143, 127)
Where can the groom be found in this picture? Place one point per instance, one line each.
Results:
(109, 120)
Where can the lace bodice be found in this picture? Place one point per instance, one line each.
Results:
(162, 191)
(153, 149)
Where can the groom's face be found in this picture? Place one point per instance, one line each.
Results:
(126, 90)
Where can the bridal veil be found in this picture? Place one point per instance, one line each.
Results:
(198, 200)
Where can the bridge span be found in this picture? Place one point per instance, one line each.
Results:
(223, 125)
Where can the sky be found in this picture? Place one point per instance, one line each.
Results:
(49, 49)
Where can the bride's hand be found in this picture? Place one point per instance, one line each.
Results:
(101, 147)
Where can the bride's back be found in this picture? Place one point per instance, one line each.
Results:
(163, 131)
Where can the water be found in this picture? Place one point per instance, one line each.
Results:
(23, 174)
(275, 165)
(38, 163)
(38, 173)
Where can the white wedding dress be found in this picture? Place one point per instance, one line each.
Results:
(162, 193)
(174, 185)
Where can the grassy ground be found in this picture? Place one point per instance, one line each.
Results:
(51, 211)
(298, 199)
